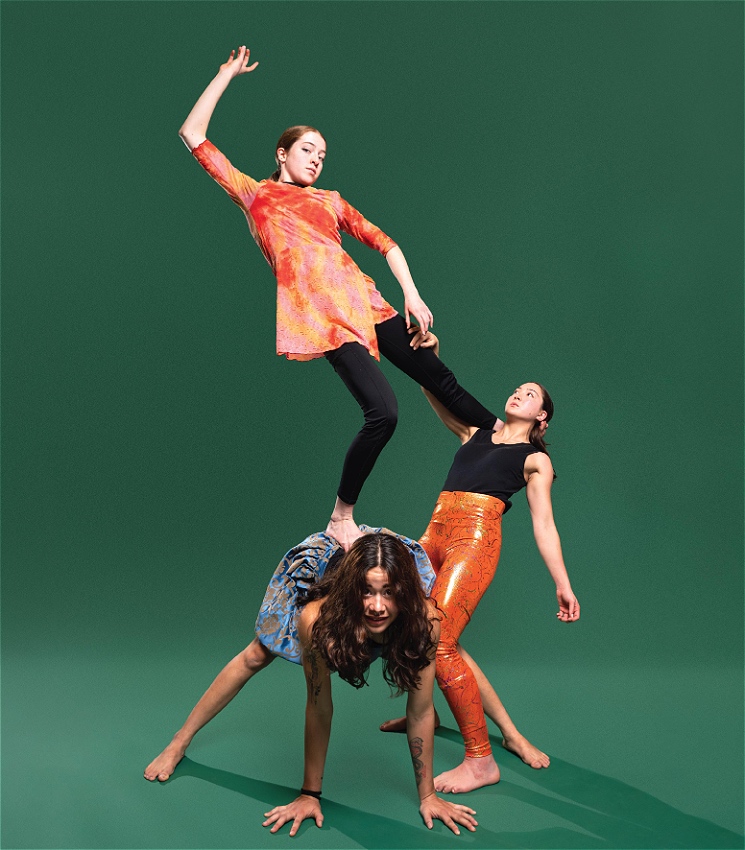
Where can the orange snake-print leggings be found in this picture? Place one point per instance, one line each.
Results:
(462, 540)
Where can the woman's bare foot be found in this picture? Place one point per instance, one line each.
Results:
(345, 530)
(468, 776)
(522, 748)
(399, 724)
(163, 766)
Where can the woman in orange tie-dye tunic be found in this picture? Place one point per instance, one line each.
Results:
(326, 306)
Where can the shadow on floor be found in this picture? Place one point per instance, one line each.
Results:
(615, 814)
(619, 815)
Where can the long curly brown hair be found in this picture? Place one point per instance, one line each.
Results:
(339, 633)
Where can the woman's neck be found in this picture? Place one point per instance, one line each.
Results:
(513, 432)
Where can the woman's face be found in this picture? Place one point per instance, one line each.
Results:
(379, 603)
(303, 162)
(526, 403)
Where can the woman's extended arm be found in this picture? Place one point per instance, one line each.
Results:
(318, 713)
(194, 130)
(540, 477)
(420, 731)
(413, 304)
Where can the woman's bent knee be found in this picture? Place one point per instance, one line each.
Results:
(382, 426)
(446, 658)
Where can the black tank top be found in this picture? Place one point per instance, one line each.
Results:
(494, 469)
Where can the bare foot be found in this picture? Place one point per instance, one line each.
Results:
(345, 530)
(522, 748)
(163, 766)
(468, 776)
(399, 724)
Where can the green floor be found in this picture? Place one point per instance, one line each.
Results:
(633, 765)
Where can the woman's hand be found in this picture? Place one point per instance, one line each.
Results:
(297, 811)
(414, 306)
(194, 129)
(568, 605)
(451, 814)
(423, 340)
(237, 65)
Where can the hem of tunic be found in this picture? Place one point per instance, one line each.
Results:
(303, 357)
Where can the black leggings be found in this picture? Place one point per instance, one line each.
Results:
(362, 375)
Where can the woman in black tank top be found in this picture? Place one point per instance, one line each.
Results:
(463, 541)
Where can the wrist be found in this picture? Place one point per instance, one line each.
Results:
(306, 792)
(224, 75)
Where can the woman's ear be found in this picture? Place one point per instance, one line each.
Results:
(281, 155)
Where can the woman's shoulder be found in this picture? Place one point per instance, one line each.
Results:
(538, 461)
(307, 618)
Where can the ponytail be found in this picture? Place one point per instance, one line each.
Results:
(536, 438)
(536, 432)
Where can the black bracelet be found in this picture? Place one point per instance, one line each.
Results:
(316, 794)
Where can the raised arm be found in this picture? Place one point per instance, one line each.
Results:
(194, 130)
(540, 478)
(318, 713)
(420, 731)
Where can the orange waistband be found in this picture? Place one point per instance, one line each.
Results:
(470, 504)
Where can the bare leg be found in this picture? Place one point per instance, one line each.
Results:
(512, 740)
(342, 526)
(228, 683)
(496, 712)
(471, 773)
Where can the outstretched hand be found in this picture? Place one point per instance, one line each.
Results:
(451, 814)
(238, 64)
(414, 306)
(297, 811)
(568, 606)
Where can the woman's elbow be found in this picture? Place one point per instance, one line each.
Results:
(188, 137)
(421, 715)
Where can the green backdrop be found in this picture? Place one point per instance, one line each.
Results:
(565, 179)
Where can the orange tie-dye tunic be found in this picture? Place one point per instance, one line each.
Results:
(323, 298)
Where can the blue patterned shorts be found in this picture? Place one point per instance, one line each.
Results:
(301, 567)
